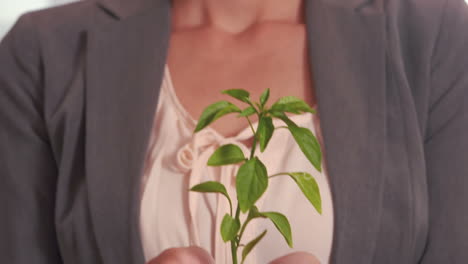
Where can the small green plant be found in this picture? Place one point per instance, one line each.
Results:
(252, 176)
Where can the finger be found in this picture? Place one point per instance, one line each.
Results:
(297, 258)
(201, 255)
(185, 255)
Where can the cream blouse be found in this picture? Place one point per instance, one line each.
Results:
(171, 216)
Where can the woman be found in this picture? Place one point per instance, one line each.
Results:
(79, 89)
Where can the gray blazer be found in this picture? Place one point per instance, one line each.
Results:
(78, 90)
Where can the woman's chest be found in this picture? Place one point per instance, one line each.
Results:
(178, 162)
(201, 70)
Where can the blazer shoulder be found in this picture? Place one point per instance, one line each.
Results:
(423, 18)
(49, 45)
(64, 21)
(424, 28)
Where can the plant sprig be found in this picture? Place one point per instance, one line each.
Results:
(252, 176)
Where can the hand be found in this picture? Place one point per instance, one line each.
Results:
(185, 255)
(297, 258)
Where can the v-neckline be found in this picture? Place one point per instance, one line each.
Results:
(243, 134)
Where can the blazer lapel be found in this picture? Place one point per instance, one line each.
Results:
(347, 54)
(125, 65)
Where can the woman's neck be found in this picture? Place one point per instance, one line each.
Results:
(234, 16)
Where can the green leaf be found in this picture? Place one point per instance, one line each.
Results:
(215, 111)
(251, 183)
(284, 117)
(239, 94)
(277, 114)
(254, 213)
(291, 104)
(211, 187)
(247, 111)
(265, 131)
(306, 140)
(251, 245)
(309, 145)
(229, 228)
(226, 154)
(309, 187)
(264, 97)
(282, 224)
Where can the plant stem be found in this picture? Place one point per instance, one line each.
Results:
(253, 148)
(254, 144)
(243, 228)
(237, 212)
(230, 206)
(235, 242)
(251, 126)
(253, 106)
(278, 174)
(234, 252)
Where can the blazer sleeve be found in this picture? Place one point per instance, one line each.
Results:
(28, 171)
(446, 140)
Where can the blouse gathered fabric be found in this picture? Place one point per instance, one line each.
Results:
(171, 216)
